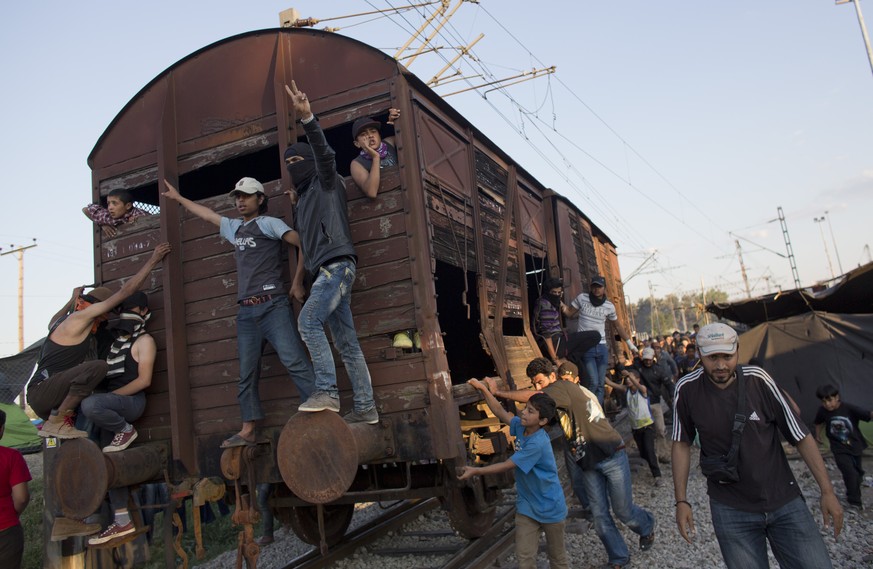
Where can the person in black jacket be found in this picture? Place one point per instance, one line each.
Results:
(326, 241)
(658, 384)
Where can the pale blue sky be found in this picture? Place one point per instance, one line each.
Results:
(676, 123)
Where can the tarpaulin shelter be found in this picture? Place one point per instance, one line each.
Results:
(14, 373)
(16, 370)
(851, 293)
(804, 351)
(20, 433)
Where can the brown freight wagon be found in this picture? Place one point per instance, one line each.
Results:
(455, 247)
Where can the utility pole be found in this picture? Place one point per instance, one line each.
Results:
(743, 269)
(857, 4)
(791, 260)
(684, 320)
(673, 312)
(630, 310)
(20, 254)
(703, 293)
(653, 313)
(834, 241)
(818, 221)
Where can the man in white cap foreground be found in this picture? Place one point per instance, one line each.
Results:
(738, 412)
(264, 308)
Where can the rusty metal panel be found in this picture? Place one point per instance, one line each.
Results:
(444, 153)
(242, 70)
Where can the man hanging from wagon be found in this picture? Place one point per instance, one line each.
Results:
(264, 308)
(121, 398)
(67, 370)
(326, 241)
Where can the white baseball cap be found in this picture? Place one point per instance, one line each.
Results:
(247, 186)
(717, 338)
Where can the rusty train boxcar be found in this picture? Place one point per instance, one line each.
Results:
(454, 248)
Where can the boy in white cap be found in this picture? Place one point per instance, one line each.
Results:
(264, 308)
(738, 412)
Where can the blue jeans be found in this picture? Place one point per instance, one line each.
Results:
(113, 412)
(273, 322)
(610, 481)
(329, 303)
(576, 478)
(792, 532)
(596, 361)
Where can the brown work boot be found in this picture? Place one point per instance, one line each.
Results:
(63, 528)
(62, 427)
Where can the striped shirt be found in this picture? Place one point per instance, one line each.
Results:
(766, 481)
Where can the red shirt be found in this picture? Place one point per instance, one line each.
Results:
(13, 471)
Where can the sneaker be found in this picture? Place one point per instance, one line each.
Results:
(114, 531)
(370, 417)
(320, 401)
(658, 482)
(265, 540)
(647, 541)
(62, 427)
(121, 441)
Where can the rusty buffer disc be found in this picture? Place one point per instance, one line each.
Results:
(80, 477)
(317, 456)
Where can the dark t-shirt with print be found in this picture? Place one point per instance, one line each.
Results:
(701, 408)
(841, 426)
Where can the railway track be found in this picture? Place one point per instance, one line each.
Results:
(417, 534)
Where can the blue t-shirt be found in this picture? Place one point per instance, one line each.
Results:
(258, 253)
(540, 496)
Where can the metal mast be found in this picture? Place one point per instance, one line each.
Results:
(788, 247)
(743, 269)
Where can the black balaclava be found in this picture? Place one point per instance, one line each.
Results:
(597, 301)
(303, 171)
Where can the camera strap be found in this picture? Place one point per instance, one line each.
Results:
(739, 417)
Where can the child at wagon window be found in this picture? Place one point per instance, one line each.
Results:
(540, 504)
(119, 210)
(375, 152)
(264, 308)
(840, 421)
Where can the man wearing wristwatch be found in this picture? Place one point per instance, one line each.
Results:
(764, 503)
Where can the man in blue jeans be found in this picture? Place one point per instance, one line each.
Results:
(761, 500)
(121, 399)
(606, 482)
(326, 242)
(264, 308)
(591, 311)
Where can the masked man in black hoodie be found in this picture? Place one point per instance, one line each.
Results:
(329, 256)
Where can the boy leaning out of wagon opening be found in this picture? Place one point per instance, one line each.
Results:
(540, 504)
(119, 210)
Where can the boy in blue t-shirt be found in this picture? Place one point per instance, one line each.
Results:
(540, 504)
(847, 442)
